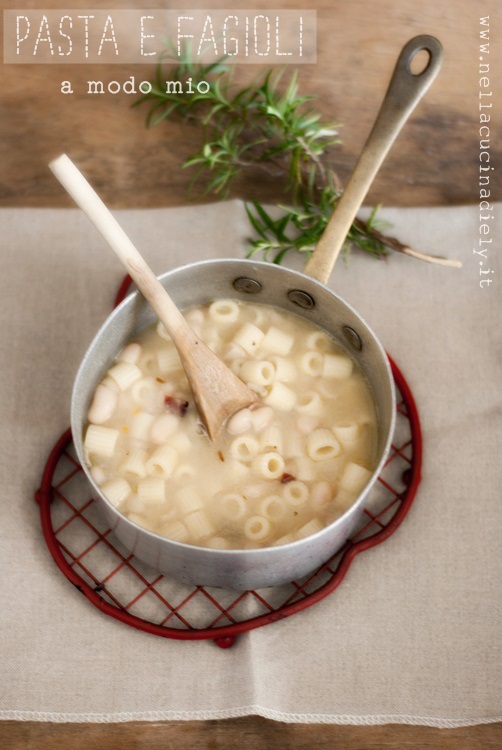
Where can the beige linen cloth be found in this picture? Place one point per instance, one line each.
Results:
(412, 635)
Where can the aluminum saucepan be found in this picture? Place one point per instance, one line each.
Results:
(302, 293)
(295, 292)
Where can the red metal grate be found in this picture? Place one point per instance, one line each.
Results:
(123, 587)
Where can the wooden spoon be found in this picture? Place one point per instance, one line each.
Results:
(218, 393)
(405, 90)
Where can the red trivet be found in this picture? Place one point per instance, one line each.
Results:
(123, 587)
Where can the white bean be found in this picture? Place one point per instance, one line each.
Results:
(103, 405)
(262, 417)
(320, 495)
(239, 422)
(164, 427)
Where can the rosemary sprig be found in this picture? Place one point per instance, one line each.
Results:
(300, 228)
(265, 126)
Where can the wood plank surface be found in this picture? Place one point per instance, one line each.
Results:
(240, 734)
(434, 162)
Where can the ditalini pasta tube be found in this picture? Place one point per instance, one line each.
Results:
(280, 397)
(130, 353)
(318, 341)
(249, 338)
(140, 425)
(285, 369)
(135, 463)
(295, 493)
(277, 341)
(309, 403)
(175, 530)
(347, 434)
(218, 542)
(271, 439)
(336, 366)
(162, 462)
(354, 477)
(101, 440)
(244, 448)
(273, 507)
(257, 528)
(322, 444)
(168, 360)
(224, 311)
(311, 363)
(232, 506)
(188, 500)
(145, 393)
(268, 465)
(312, 527)
(116, 490)
(199, 524)
(152, 490)
(260, 373)
(125, 374)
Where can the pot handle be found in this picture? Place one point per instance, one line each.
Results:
(405, 91)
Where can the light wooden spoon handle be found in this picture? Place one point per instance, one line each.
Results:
(404, 92)
(218, 393)
(94, 208)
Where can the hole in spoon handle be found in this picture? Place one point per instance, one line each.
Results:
(405, 90)
(410, 80)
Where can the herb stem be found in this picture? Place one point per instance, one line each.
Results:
(271, 128)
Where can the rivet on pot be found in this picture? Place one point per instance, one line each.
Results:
(353, 338)
(302, 299)
(247, 286)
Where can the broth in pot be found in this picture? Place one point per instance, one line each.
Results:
(282, 471)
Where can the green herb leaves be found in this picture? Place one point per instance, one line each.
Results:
(265, 126)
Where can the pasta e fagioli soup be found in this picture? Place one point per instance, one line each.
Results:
(283, 470)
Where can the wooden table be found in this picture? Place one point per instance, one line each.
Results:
(434, 162)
